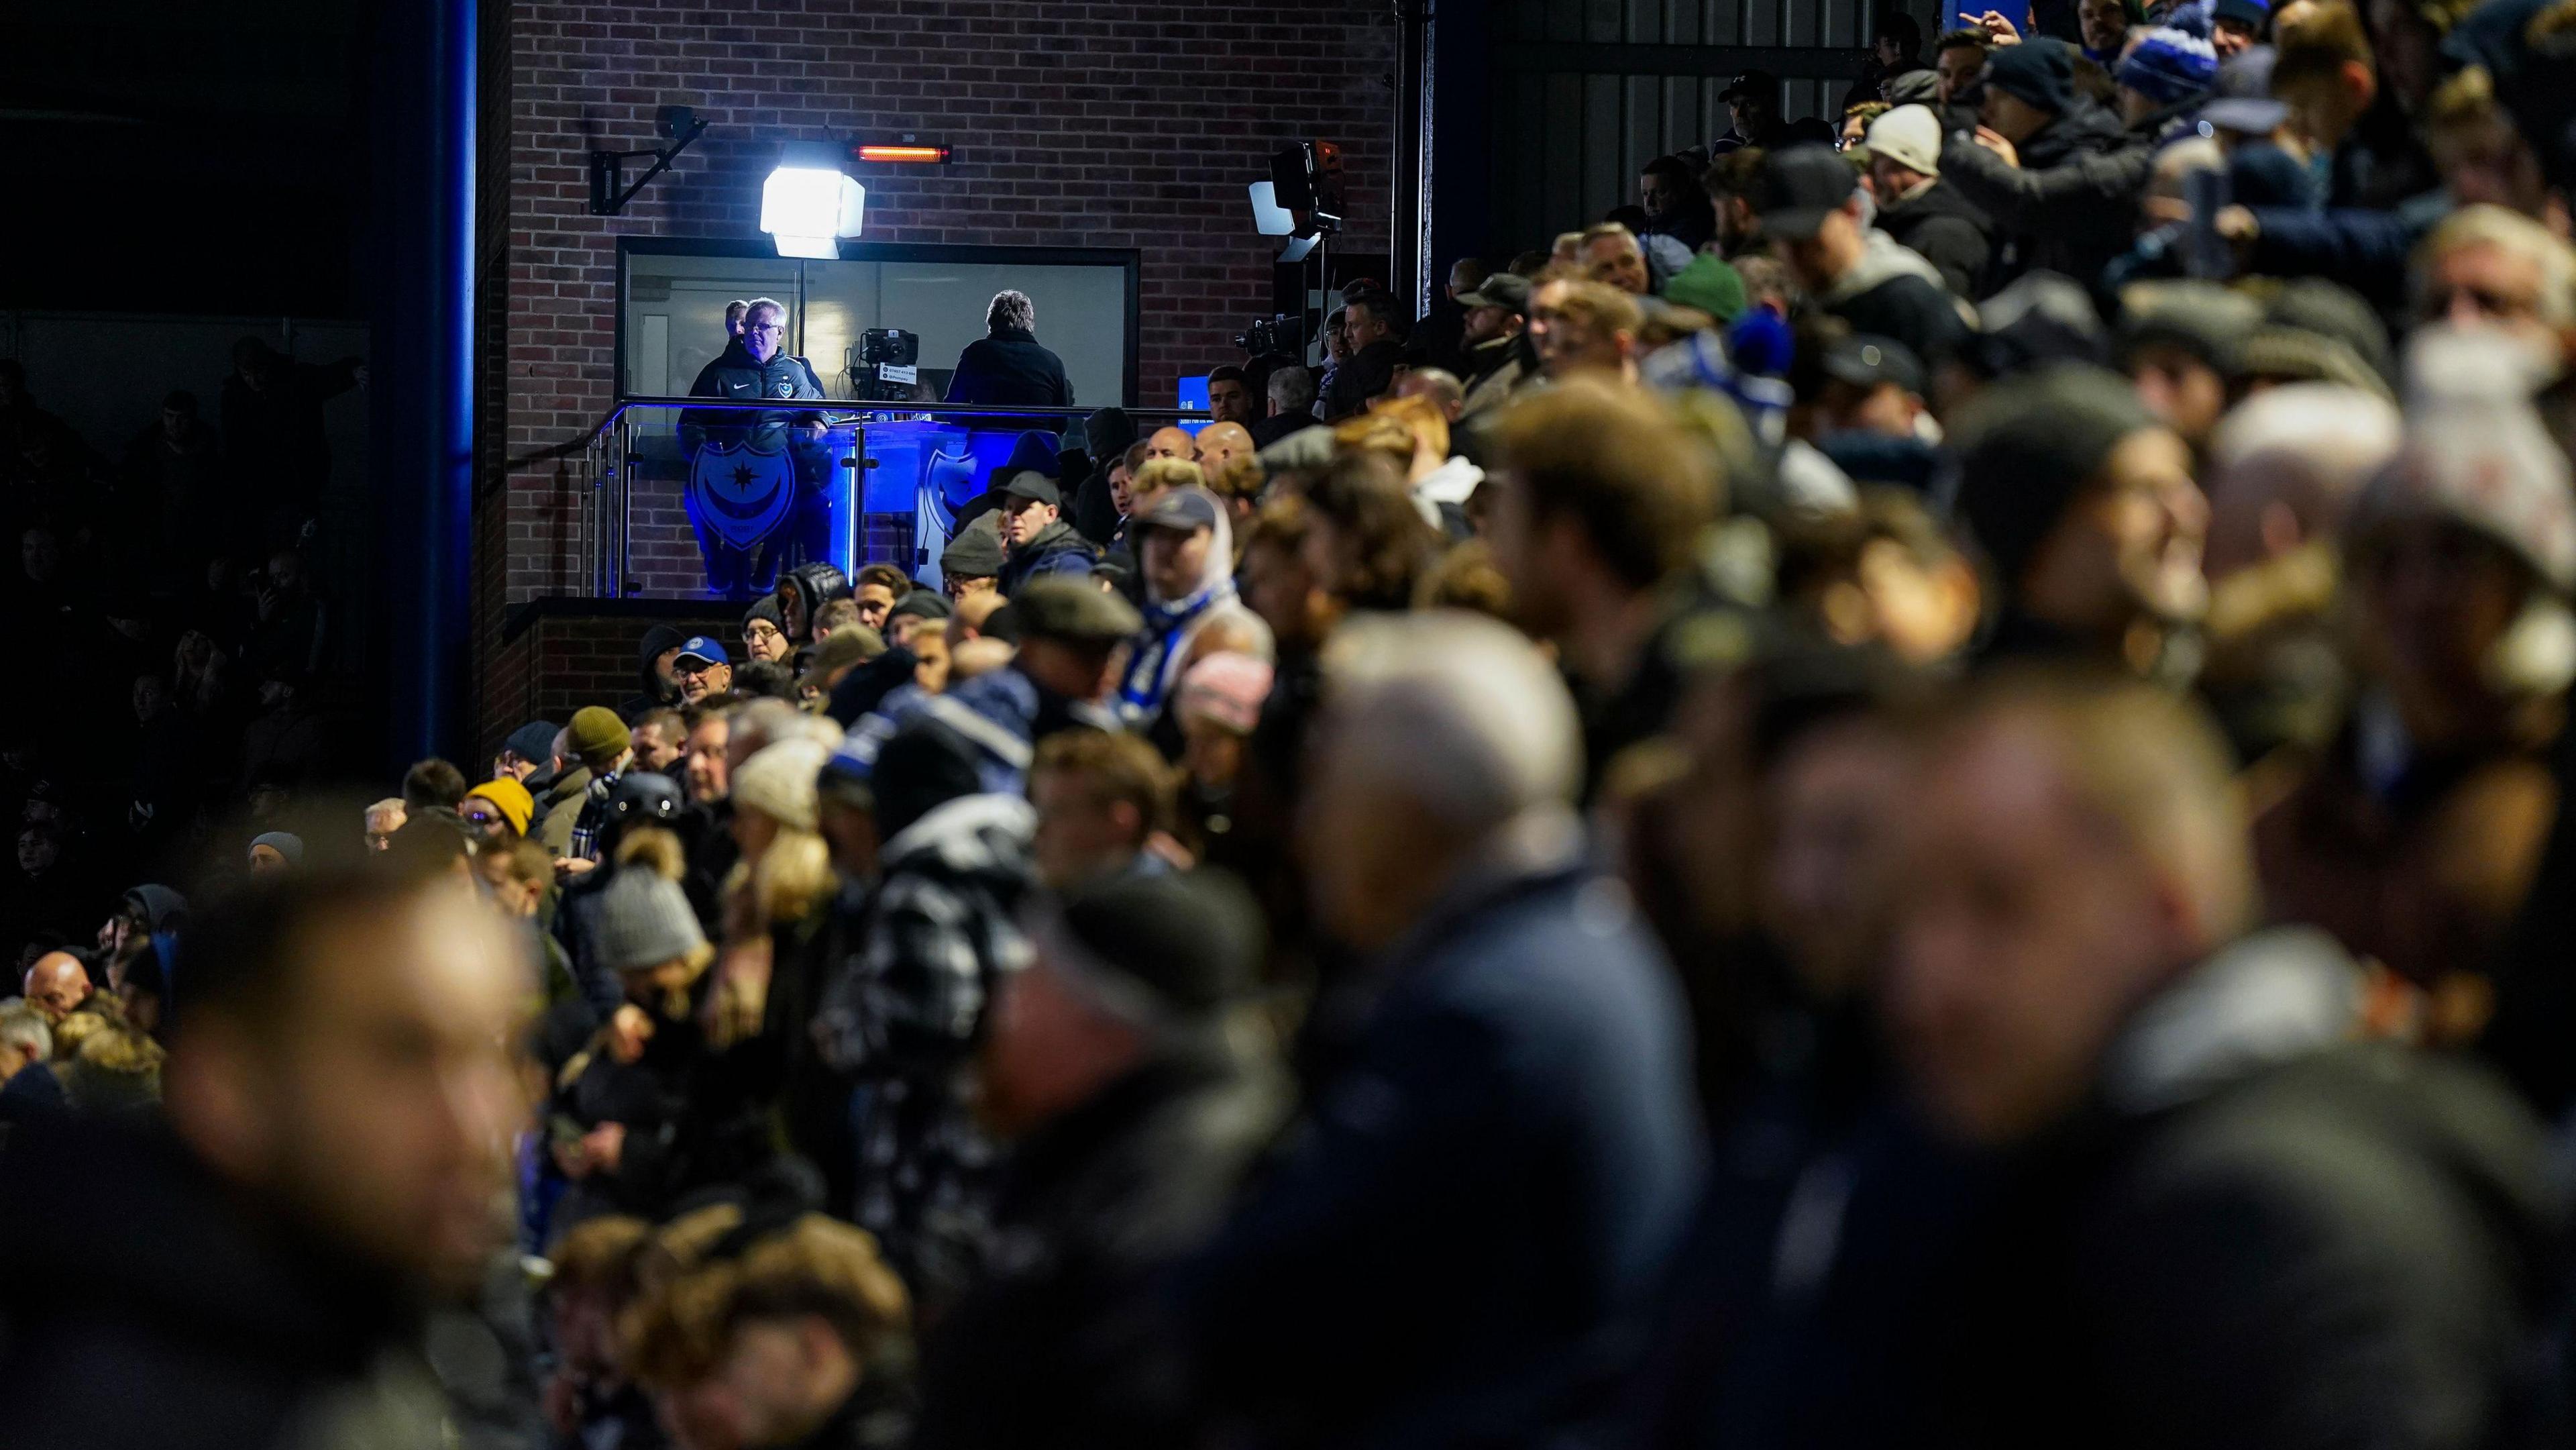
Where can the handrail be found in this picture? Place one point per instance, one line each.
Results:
(851, 406)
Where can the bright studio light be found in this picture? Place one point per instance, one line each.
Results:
(807, 206)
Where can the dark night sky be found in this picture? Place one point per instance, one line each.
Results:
(175, 156)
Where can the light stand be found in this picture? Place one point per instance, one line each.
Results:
(608, 192)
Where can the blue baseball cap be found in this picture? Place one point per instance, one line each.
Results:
(699, 647)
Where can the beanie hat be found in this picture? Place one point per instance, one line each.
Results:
(765, 608)
(2028, 447)
(922, 603)
(598, 736)
(1034, 451)
(1915, 87)
(778, 782)
(924, 766)
(285, 843)
(1910, 136)
(1709, 284)
(2039, 71)
(2202, 318)
(2170, 66)
(533, 742)
(2317, 331)
(1227, 688)
(643, 920)
(1193, 940)
(976, 553)
(511, 799)
(2248, 13)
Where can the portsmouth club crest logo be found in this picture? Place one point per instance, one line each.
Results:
(739, 493)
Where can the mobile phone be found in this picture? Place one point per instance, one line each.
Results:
(2206, 254)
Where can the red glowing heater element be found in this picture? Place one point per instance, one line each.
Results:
(903, 155)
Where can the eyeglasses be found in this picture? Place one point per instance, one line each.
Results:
(765, 327)
(480, 818)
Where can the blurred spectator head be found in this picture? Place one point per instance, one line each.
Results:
(733, 316)
(1369, 317)
(1904, 146)
(2104, 24)
(1230, 396)
(1497, 308)
(282, 1081)
(1133, 969)
(2086, 506)
(497, 811)
(1098, 797)
(763, 637)
(432, 782)
(1810, 205)
(2071, 845)
(1364, 539)
(2027, 86)
(1874, 385)
(1291, 392)
(2322, 69)
(26, 1039)
(1960, 62)
(1171, 443)
(2489, 269)
(1610, 255)
(1599, 494)
(1752, 99)
(2482, 155)
(529, 751)
(1279, 583)
(1441, 735)
(1219, 442)
(704, 762)
(1884, 575)
(56, 984)
(386, 817)
(1580, 327)
(658, 737)
(1896, 41)
(2182, 345)
(2286, 466)
(2235, 26)
(769, 1332)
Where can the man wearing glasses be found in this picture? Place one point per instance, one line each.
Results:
(757, 479)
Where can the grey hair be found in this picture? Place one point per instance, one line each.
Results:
(2340, 433)
(771, 721)
(760, 304)
(21, 1025)
(1454, 712)
(1292, 389)
(1012, 308)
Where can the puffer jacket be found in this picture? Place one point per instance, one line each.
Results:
(1058, 549)
(814, 586)
(2072, 204)
(1939, 224)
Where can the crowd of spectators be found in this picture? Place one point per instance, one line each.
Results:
(1915, 795)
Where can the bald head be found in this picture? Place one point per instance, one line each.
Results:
(1437, 385)
(1218, 442)
(1171, 443)
(57, 984)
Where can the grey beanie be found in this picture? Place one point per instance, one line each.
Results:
(644, 921)
(2028, 446)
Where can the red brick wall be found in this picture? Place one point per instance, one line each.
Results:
(553, 659)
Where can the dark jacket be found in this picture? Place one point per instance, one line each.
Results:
(1497, 1157)
(1010, 367)
(1909, 309)
(559, 805)
(2263, 1233)
(1058, 549)
(1362, 376)
(1941, 226)
(185, 1322)
(2070, 207)
(1066, 1341)
(734, 375)
(650, 693)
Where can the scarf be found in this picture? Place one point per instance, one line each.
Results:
(1157, 656)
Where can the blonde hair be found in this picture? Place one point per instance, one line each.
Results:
(1159, 474)
(1399, 428)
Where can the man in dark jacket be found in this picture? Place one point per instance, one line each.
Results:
(1369, 371)
(1134, 1119)
(2031, 102)
(1008, 366)
(657, 683)
(1499, 1147)
(2227, 1219)
(258, 1264)
(1918, 208)
(1035, 539)
(749, 517)
(1810, 207)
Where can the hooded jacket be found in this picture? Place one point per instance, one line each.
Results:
(1107, 435)
(1939, 225)
(815, 585)
(1057, 549)
(2261, 1231)
(650, 692)
(1893, 292)
(1010, 367)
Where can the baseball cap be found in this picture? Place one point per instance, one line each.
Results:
(1800, 187)
(1185, 509)
(1030, 484)
(1503, 289)
(1751, 83)
(1865, 361)
(704, 650)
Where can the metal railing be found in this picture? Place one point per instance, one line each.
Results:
(638, 448)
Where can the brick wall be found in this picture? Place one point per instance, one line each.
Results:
(1110, 125)
(557, 655)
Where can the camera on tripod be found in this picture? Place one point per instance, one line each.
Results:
(883, 367)
(1277, 333)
